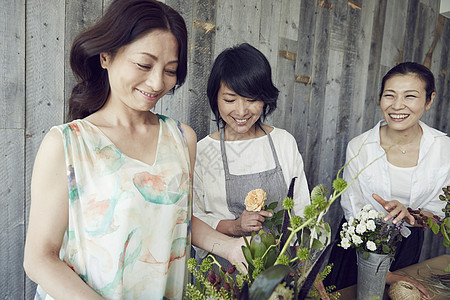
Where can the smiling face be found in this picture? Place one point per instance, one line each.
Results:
(143, 71)
(239, 113)
(403, 102)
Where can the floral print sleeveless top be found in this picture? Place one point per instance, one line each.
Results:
(128, 235)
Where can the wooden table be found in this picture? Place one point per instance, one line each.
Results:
(436, 264)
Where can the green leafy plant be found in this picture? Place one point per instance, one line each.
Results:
(439, 226)
(209, 285)
(271, 263)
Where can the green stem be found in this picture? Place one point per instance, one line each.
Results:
(293, 232)
(332, 199)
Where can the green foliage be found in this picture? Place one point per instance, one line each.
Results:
(209, 285)
(296, 222)
(439, 226)
(319, 191)
(288, 203)
(310, 212)
(339, 184)
(314, 293)
(267, 281)
(303, 254)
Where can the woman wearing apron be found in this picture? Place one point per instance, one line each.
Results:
(244, 154)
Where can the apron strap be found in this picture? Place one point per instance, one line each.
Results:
(224, 154)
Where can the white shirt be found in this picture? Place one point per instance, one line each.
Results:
(244, 157)
(401, 183)
(431, 174)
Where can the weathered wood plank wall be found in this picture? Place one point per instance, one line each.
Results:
(327, 56)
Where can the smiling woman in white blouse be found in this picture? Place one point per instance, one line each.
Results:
(411, 174)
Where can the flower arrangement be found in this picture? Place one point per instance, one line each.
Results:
(367, 232)
(275, 268)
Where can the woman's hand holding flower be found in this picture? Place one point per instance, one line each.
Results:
(250, 221)
(396, 210)
(253, 216)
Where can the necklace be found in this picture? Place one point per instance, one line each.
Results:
(403, 151)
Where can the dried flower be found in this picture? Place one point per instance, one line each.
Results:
(226, 286)
(231, 269)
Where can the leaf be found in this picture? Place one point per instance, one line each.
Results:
(447, 268)
(267, 281)
(435, 228)
(246, 242)
(327, 227)
(447, 221)
(446, 243)
(270, 258)
(279, 214)
(366, 255)
(386, 249)
(317, 244)
(247, 255)
(272, 205)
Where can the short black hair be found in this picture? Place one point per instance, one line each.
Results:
(246, 71)
(413, 68)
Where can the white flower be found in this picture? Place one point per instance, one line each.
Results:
(364, 215)
(371, 246)
(373, 214)
(361, 228)
(347, 236)
(381, 214)
(351, 220)
(345, 243)
(367, 207)
(351, 229)
(356, 239)
(358, 215)
(371, 225)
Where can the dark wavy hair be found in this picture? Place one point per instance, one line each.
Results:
(419, 70)
(124, 22)
(246, 71)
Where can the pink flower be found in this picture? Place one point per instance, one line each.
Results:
(255, 200)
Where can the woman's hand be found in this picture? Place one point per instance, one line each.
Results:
(250, 221)
(236, 256)
(396, 210)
